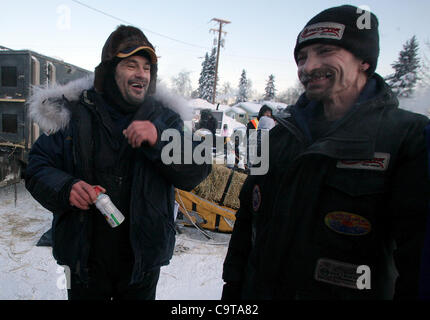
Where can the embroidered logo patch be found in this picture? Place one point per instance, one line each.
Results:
(337, 273)
(378, 163)
(347, 223)
(256, 197)
(325, 30)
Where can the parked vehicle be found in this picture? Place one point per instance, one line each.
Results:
(20, 70)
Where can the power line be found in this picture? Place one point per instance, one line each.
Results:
(168, 37)
(130, 23)
(283, 61)
(173, 39)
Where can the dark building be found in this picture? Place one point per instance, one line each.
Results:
(19, 71)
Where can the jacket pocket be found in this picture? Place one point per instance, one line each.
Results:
(164, 214)
(352, 215)
(68, 238)
(356, 183)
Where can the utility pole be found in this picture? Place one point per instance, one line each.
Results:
(220, 32)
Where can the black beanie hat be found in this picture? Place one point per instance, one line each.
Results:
(124, 42)
(263, 109)
(343, 26)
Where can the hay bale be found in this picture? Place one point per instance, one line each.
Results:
(212, 188)
(232, 197)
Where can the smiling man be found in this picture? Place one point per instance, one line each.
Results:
(332, 75)
(344, 203)
(132, 76)
(108, 134)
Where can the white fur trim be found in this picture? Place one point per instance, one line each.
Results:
(174, 102)
(46, 109)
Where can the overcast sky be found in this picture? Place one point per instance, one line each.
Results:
(259, 39)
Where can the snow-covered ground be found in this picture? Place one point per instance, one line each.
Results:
(419, 102)
(30, 272)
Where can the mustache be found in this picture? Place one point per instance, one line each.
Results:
(305, 77)
(141, 82)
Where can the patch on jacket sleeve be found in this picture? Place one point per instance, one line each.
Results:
(337, 273)
(347, 223)
(256, 198)
(378, 163)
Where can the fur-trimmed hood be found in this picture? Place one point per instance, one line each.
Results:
(46, 109)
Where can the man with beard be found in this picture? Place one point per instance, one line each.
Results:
(108, 134)
(342, 212)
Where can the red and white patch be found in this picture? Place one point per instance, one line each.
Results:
(322, 30)
(336, 273)
(380, 162)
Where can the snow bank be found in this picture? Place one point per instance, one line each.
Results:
(203, 104)
(200, 104)
(419, 103)
(249, 107)
(274, 105)
(232, 124)
(195, 272)
(26, 271)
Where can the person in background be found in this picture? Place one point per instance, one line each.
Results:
(264, 126)
(225, 132)
(266, 111)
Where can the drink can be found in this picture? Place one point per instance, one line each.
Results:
(105, 205)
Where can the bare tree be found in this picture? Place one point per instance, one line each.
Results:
(292, 94)
(227, 94)
(182, 84)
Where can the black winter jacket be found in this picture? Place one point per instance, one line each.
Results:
(59, 160)
(356, 196)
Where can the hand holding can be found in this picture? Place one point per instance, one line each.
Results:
(105, 205)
